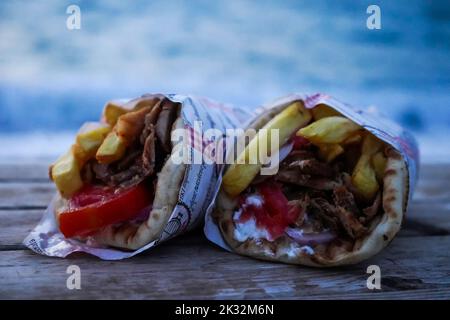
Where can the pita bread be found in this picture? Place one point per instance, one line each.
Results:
(381, 229)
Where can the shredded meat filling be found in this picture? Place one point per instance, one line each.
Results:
(146, 154)
(327, 198)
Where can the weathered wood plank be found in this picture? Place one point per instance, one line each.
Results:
(15, 225)
(25, 195)
(24, 172)
(189, 268)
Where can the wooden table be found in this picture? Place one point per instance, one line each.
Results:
(415, 265)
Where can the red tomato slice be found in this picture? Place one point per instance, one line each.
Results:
(95, 207)
(275, 215)
(274, 199)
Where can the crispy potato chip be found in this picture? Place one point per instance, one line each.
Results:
(329, 130)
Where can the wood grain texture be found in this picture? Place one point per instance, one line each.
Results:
(191, 268)
(415, 265)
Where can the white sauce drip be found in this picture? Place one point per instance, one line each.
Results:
(248, 229)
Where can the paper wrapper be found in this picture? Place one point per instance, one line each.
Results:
(196, 196)
(383, 128)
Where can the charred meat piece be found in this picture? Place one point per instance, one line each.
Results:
(344, 198)
(348, 212)
(298, 155)
(325, 212)
(164, 123)
(304, 180)
(149, 154)
(102, 171)
(302, 205)
(372, 210)
(337, 218)
(312, 167)
(351, 224)
(129, 159)
(150, 121)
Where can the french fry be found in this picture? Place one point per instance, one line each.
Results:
(114, 109)
(353, 139)
(379, 162)
(66, 174)
(364, 176)
(371, 144)
(329, 152)
(329, 130)
(241, 173)
(90, 138)
(128, 126)
(322, 111)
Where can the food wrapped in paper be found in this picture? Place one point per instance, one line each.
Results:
(339, 194)
(129, 182)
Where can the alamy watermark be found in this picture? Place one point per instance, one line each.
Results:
(209, 146)
(74, 279)
(73, 21)
(374, 280)
(373, 21)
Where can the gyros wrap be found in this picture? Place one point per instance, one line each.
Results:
(124, 186)
(339, 195)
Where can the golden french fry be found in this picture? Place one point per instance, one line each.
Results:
(329, 130)
(322, 111)
(128, 126)
(240, 174)
(364, 178)
(112, 148)
(329, 152)
(353, 139)
(112, 111)
(371, 144)
(379, 162)
(66, 174)
(91, 137)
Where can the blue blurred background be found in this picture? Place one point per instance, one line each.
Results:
(242, 52)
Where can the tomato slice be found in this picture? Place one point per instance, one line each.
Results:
(95, 207)
(275, 214)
